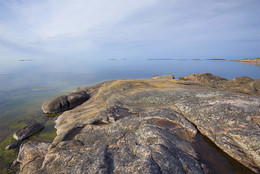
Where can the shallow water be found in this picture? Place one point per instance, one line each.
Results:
(215, 159)
(25, 85)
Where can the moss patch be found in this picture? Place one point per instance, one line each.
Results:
(18, 125)
(7, 157)
(19, 108)
(48, 133)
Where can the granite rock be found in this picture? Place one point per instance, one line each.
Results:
(149, 126)
(244, 85)
(31, 156)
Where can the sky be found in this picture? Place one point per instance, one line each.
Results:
(129, 29)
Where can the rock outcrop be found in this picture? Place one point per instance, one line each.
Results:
(149, 126)
(242, 80)
(245, 85)
(204, 78)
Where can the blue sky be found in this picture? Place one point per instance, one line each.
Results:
(101, 29)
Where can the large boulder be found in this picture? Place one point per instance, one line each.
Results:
(27, 131)
(150, 126)
(65, 102)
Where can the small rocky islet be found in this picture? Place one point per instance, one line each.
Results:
(254, 61)
(149, 126)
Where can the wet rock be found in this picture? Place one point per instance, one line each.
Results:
(148, 129)
(27, 131)
(56, 105)
(76, 99)
(65, 102)
(14, 164)
(12, 146)
(203, 78)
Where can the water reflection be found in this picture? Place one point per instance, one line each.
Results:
(216, 160)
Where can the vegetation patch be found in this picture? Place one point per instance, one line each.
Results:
(7, 157)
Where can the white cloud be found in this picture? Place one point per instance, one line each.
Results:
(65, 26)
(58, 19)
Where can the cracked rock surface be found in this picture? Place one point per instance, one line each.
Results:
(148, 126)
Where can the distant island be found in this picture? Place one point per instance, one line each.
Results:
(215, 59)
(22, 60)
(255, 61)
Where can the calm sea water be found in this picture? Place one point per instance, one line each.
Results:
(25, 85)
(62, 73)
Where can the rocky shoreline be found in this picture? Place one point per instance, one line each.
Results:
(254, 61)
(149, 126)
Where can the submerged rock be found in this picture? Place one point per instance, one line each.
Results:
(27, 131)
(149, 126)
(65, 102)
